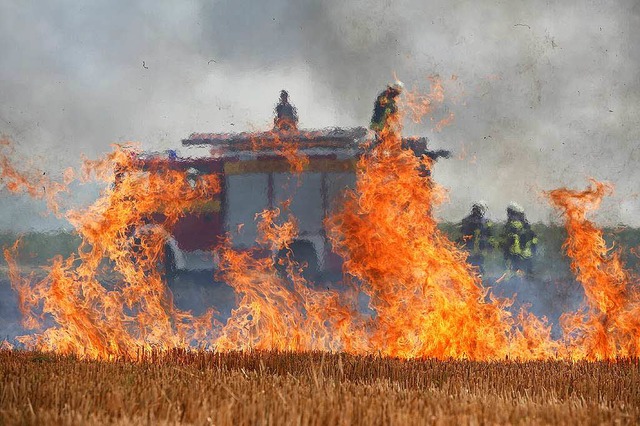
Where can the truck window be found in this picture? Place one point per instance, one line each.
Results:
(306, 205)
(246, 196)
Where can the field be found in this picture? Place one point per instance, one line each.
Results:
(312, 388)
(318, 388)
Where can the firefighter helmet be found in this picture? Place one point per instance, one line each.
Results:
(481, 206)
(515, 207)
(396, 86)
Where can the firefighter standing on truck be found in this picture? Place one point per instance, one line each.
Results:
(385, 106)
(519, 242)
(286, 114)
(477, 231)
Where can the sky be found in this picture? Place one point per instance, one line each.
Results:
(545, 93)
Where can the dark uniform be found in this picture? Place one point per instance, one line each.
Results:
(519, 242)
(286, 114)
(476, 231)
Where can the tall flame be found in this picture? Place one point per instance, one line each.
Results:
(609, 325)
(109, 298)
(428, 301)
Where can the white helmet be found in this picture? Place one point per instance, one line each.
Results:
(397, 85)
(515, 207)
(481, 205)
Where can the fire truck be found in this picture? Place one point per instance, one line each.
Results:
(255, 175)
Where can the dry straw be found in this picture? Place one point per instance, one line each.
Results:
(179, 387)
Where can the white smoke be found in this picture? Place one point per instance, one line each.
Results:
(551, 89)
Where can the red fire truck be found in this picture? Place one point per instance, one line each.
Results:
(256, 175)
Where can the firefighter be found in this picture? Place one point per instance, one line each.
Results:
(286, 114)
(385, 106)
(519, 242)
(477, 233)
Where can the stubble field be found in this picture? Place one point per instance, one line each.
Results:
(312, 389)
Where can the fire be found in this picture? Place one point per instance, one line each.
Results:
(428, 301)
(110, 298)
(444, 122)
(37, 185)
(277, 307)
(609, 325)
(281, 311)
(419, 104)
(297, 161)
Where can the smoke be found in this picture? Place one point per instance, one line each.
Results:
(547, 92)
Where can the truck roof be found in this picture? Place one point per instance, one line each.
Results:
(265, 142)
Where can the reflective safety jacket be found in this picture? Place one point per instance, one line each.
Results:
(477, 234)
(384, 106)
(519, 240)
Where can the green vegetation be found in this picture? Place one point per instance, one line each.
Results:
(38, 248)
(550, 261)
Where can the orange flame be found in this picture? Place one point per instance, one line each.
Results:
(37, 184)
(277, 308)
(290, 151)
(609, 325)
(282, 312)
(110, 299)
(444, 122)
(419, 104)
(428, 301)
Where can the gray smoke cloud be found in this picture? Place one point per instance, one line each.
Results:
(547, 93)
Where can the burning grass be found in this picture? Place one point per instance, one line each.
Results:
(311, 388)
(428, 301)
